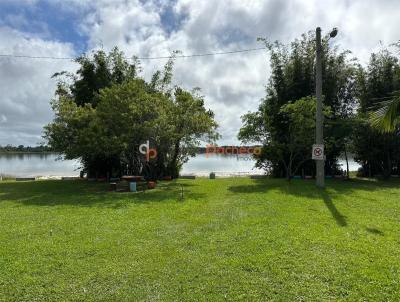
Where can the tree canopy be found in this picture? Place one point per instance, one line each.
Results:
(377, 151)
(105, 111)
(290, 87)
(351, 93)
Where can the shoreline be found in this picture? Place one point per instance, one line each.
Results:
(199, 174)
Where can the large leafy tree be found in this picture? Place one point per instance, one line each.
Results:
(105, 112)
(292, 79)
(293, 149)
(377, 150)
(387, 117)
(82, 89)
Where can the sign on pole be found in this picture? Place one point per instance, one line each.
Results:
(318, 152)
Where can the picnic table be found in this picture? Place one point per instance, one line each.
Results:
(132, 178)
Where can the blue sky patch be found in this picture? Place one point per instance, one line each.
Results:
(171, 21)
(46, 20)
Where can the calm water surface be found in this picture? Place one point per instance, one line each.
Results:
(25, 165)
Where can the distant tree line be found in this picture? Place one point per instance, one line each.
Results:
(285, 120)
(22, 149)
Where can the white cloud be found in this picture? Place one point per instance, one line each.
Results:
(26, 85)
(232, 84)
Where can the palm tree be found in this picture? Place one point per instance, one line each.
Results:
(387, 117)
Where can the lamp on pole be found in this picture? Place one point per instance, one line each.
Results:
(318, 149)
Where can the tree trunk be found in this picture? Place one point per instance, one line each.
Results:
(369, 169)
(388, 168)
(289, 171)
(173, 165)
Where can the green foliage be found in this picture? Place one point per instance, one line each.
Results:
(293, 148)
(98, 72)
(292, 79)
(377, 150)
(107, 112)
(387, 118)
(67, 131)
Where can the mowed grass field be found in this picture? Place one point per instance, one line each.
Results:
(231, 239)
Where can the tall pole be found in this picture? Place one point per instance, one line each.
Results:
(319, 136)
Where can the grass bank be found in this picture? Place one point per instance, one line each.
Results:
(229, 239)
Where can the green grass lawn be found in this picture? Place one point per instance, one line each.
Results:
(229, 239)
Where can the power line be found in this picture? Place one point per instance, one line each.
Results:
(140, 58)
(205, 54)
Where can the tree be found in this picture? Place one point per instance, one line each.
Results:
(377, 151)
(300, 119)
(387, 118)
(191, 123)
(96, 72)
(108, 111)
(292, 78)
(294, 147)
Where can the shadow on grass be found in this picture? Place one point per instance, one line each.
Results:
(293, 189)
(375, 231)
(340, 219)
(307, 189)
(85, 194)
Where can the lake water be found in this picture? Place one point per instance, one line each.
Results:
(29, 165)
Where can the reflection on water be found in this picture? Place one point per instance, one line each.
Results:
(353, 166)
(220, 164)
(37, 164)
(233, 164)
(49, 164)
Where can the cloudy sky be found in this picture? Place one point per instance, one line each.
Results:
(232, 84)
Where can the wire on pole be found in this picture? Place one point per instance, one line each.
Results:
(140, 58)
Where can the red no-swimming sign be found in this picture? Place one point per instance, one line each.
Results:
(318, 152)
